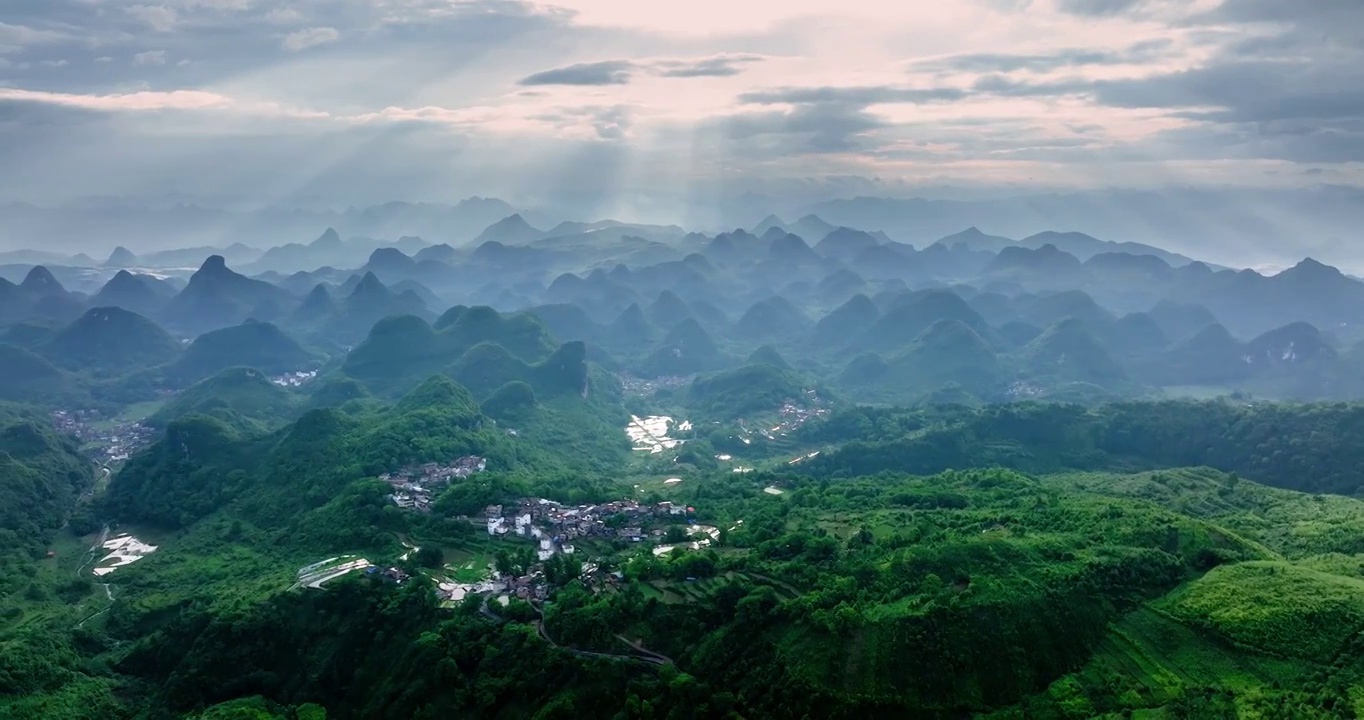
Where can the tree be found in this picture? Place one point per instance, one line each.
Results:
(429, 556)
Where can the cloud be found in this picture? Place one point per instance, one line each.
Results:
(1065, 58)
(861, 96)
(970, 91)
(125, 102)
(622, 72)
(606, 72)
(14, 38)
(284, 16)
(159, 17)
(723, 65)
(1101, 8)
(311, 37)
(150, 57)
(606, 122)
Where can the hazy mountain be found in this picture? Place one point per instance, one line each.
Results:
(1050, 308)
(768, 355)
(845, 244)
(753, 389)
(111, 341)
(1180, 321)
(1292, 346)
(1137, 334)
(974, 239)
(631, 331)
(1085, 247)
(39, 283)
(39, 257)
(1209, 357)
(685, 350)
(121, 257)
(218, 297)
(1068, 351)
(27, 377)
(233, 394)
(811, 228)
(258, 345)
(367, 300)
(567, 322)
(38, 295)
(440, 253)
(840, 285)
(772, 319)
(1047, 264)
(769, 223)
(906, 319)
(668, 310)
(510, 230)
(141, 294)
(947, 353)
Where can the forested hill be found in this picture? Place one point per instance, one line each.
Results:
(1020, 561)
(1310, 448)
(41, 475)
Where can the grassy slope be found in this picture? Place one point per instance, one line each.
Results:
(1242, 639)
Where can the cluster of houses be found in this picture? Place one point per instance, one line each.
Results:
(648, 386)
(294, 379)
(413, 486)
(117, 442)
(540, 518)
(793, 415)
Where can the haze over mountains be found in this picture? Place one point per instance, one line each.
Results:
(1052, 314)
(1258, 228)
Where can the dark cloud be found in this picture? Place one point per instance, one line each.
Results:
(621, 72)
(718, 66)
(1322, 20)
(1247, 91)
(212, 42)
(606, 72)
(852, 96)
(1101, 8)
(822, 119)
(808, 128)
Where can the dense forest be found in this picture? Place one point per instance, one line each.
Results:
(1014, 561)
(657, 490)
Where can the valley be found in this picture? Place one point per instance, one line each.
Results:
(817, 491)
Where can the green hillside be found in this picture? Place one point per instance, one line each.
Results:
(259, 345)
(743, 392)
(240, 391)
(111, 341)
(1028, 560)
(478, 343)
(28, 377)
(948, 353)
(1069, 351)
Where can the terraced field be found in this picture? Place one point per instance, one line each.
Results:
(671, 591)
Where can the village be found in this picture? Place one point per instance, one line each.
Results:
(555, 528)
(115, 441)
(550, 521)
(414, 486)
(294, 379)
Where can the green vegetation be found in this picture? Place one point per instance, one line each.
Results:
(111, 340)
(1137, 559)
(257, 345)
(749, 390)
(241, 392)
(1310, 448)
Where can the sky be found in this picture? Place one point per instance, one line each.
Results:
(649, 103)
